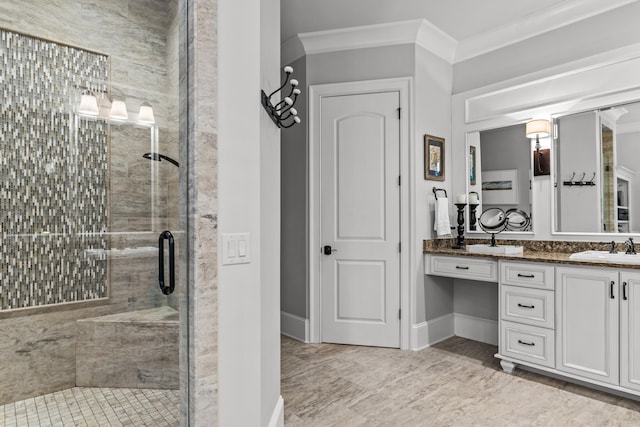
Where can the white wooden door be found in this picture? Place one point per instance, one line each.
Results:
(360, 219)
(587, 322)
(630, 330)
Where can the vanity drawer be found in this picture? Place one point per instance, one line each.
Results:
(528, 343)
(525, 305)
(529, 274)
(464, 267)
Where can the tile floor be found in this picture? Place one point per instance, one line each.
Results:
(89, 406)
(455, 383)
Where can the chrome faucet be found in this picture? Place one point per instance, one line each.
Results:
(613, 247)
(631, 248)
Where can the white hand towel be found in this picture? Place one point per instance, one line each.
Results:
(442, 226)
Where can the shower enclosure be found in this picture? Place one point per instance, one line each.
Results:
(89, 102)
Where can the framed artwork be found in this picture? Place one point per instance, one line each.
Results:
(500, 187)
(433, 158)
(472, 165)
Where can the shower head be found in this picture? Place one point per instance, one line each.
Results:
(159, 157)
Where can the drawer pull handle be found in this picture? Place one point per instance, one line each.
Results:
(526, 306)
(530, 344)
(464, 267)
(624, 291)
(611, 289)
(527, 276)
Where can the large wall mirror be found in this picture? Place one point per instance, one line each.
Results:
(597, 170)
(499, 174)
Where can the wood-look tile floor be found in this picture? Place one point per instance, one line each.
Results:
(455, 383)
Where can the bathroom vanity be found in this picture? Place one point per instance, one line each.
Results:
(579, 320)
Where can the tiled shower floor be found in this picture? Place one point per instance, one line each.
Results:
(89, 406)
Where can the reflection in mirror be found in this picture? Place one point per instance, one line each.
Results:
(597, 168)
(500, 172)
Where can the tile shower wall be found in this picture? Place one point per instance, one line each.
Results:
(53, 174)
(38, 350)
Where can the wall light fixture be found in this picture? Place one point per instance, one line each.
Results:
(539, 128)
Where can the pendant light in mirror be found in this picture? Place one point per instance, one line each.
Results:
(537, 129)
(88, 105)
(145, 116)
(118, 110)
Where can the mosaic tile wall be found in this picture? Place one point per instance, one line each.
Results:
(53, 174)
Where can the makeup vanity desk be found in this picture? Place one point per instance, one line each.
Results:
(579, 320)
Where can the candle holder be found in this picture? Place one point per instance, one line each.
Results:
(472, 216)
(460, 239)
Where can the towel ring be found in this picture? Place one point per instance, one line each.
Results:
(435, 192)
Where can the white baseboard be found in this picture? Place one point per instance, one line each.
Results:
(476, 328)
(293, 326)
(277, 417)
(428, 333)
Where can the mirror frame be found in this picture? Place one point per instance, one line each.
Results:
(594, 104)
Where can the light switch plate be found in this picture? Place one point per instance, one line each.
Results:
(236, 248)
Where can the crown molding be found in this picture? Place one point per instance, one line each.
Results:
(628, 128)
(419, 31)
(543, 21)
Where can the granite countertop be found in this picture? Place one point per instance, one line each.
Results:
(556, 252)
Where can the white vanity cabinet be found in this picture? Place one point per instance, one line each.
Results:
(581, 322)
(527, 313)
(482, 269)
(598, 326)
(630, 330)
(587, 323)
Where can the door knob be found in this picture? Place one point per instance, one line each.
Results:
(328, 250)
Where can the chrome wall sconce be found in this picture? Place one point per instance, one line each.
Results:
(283, 114)
(537, 129)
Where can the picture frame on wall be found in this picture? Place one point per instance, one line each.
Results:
(434, 158)
(500, 187)
(472, 165)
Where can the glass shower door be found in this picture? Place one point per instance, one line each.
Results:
(90, 196)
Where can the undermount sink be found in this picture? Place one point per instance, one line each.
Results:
(500, 249)
(605, 256)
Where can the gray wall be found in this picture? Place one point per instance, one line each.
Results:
(293, 222)
(577, 151)
(334, 67)
(628, 152)
(432, 100)
(360, 64)
(582, 39)
(477, 299)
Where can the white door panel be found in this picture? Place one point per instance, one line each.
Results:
(360, 212)
(630, 330)
(587, 323)
(360, 219)
(360, 291)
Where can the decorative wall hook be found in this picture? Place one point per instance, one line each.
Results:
(581, 181)
(283, 114)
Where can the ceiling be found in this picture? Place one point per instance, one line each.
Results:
(501, 21)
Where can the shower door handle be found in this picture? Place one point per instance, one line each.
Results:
(167, 290)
